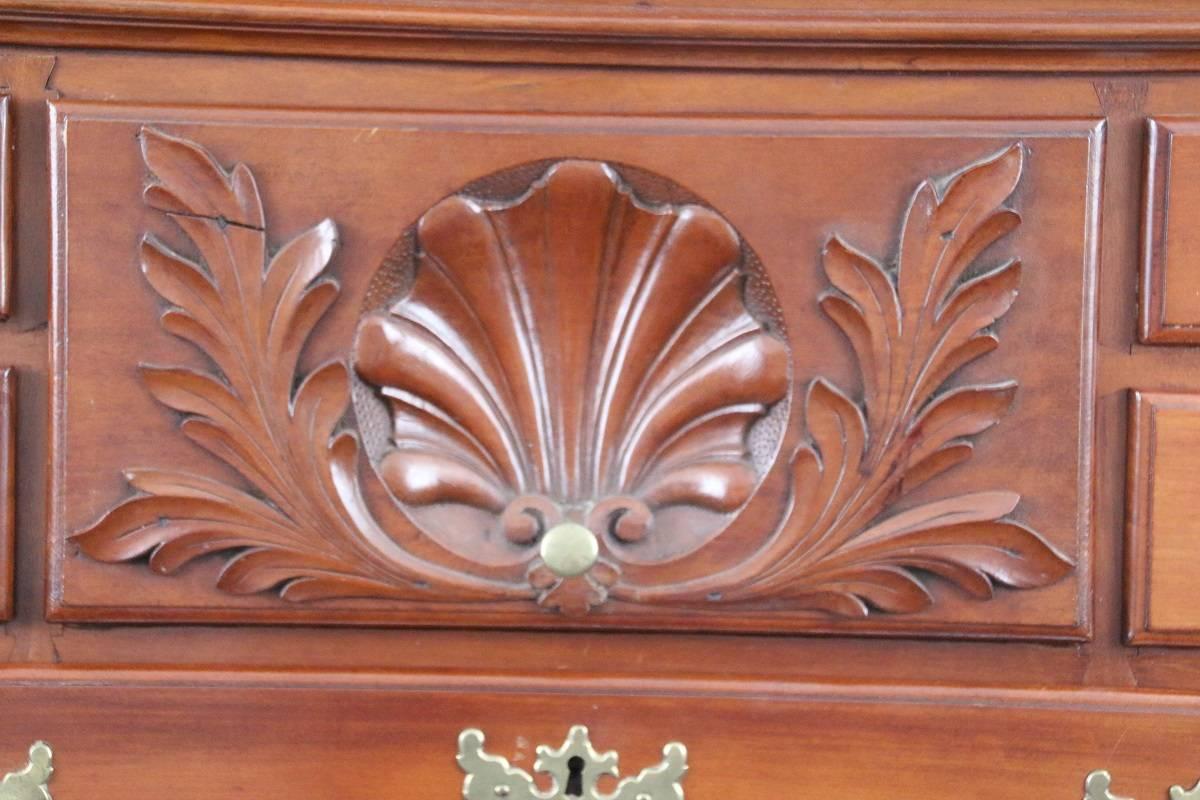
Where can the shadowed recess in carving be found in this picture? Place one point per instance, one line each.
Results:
(911, 328)
(574, 353)
(574, 364)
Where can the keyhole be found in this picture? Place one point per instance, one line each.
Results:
(575, 777)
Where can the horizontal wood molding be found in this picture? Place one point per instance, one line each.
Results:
(914, 35)
(871, 21)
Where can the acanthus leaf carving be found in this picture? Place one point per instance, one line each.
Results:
(515, 379)
(300, 529)
(911, 330)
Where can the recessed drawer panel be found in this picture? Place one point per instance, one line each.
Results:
(698, 373)
(1170, 307)
(187, 735)
(1163, 532)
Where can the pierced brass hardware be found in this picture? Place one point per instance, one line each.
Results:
(29, 783)
(1096, 787)
(574, 770)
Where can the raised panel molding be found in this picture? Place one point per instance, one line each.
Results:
(1162, 528)
(7, 199)
(569, 388)
(1170, 285)
(8, 487)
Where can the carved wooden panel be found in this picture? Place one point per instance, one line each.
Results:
(7, 199)
(1162, 532)
(1170, 292)
(571, 377)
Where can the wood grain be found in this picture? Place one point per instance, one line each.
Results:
(8, 487)
(1170, 293)
(7, 201)
(1163, 538)
(370, 734)
(954, 530)
(874, 21)
(504, 93)
(921, 35)
(840, 714)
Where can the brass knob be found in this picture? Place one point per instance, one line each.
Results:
(569, 549)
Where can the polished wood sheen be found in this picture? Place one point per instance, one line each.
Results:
(1170, 306)
(815, 385)
(8, 486)
(7, 199)
(1163, 537)
(504, 382)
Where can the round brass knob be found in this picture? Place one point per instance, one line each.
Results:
(569, 549)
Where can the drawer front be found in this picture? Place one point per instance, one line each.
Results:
(692, 372)
(1170, 309)
(380, 737)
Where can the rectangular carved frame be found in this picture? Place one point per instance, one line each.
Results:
(59, 610)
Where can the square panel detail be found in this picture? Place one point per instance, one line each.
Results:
(1162, 532)
(1170, 291)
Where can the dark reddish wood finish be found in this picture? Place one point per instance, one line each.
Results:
(1162, 537)
(372, 734)
(8, 486)
(1170, 293)
(7, 198)
(978, 646)
(835, 529)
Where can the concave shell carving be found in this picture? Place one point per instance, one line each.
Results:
(576, 353)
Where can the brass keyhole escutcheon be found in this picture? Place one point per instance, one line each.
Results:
(574, 770)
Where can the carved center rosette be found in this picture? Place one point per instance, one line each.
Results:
(566, 377)
(573, 354)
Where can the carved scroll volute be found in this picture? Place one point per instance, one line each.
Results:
(584, 370)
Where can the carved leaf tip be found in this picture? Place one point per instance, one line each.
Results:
(911, 329)
(187, 180)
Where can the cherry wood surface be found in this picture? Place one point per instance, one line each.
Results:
(1163, 447)
(1100, 36)
(803, 152)
(279, 735)
(117, 82)
(7, 145)
(948, 528)
(1170, 313)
